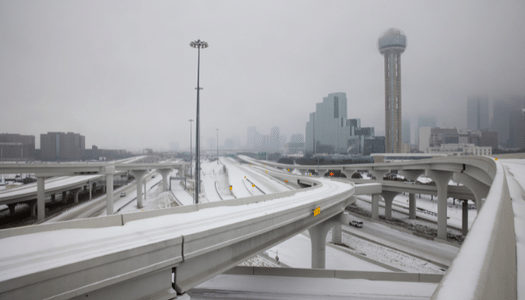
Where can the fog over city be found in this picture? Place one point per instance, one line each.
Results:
(123, 74)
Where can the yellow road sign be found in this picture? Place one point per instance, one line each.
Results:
(317, 211)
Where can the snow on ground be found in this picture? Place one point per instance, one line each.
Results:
(378, 232)
(215, 182)
(296, 252)
(294, 288)
(386, 255)
(184, 196)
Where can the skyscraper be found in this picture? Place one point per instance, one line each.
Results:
(478, 113)
(508, 121)
(329, 131)
(391, 44)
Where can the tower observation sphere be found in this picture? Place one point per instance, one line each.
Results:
(391, 44)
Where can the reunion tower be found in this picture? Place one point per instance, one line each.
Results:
(391, 44)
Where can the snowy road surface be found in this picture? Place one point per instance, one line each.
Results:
(242, 187)
(431, 250)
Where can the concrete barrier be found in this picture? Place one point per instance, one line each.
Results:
(341, 274)
(107, 221)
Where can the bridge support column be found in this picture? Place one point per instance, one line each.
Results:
(378, 174)
(109, 189)
(318, 239)
(64, 196)
(375, 206)
(479, 189)
(389, 198)
(90, 190)
(32, 207)
(53, 198)
(349, 173)
(139, 175)
(412, 206)
(40, 198)
(337, 234)
(165, 177)
(145, 189)
(441, 178)
(75, 194)
(464, 219)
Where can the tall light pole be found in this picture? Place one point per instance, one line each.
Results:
(198, 44)
(217, 145)
(191, 156)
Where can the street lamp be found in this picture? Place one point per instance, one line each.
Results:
(217, 145)
(191, 155)
(197, 44)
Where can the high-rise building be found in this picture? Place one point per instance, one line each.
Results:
(507, 121)
(406, 132)
(16, 147)
(329, 131)
(61, 146)
(391, 44)
(478, 113)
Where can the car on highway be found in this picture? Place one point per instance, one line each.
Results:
(122, 194)
(357, 224)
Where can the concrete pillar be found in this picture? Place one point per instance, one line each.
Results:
(11, 209)
(40, 197)
(53, 198)
(64, 196)
(412, 206)
(139, 175)
(388, 197)
(75, 194)
(165, 178)
(348, 173)
(441, 178)
(411, 175)
(464, 218)
(90, 191)
(145, 189)
(109, 189)
(375, 206)
(479, 189)
(337, 234)
(378, 174)
(318, 239)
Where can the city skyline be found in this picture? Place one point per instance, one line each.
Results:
(127, 81)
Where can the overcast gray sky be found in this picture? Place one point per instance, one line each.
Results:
(122, 73)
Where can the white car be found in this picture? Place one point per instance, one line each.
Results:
(122, 194)
(357, 224)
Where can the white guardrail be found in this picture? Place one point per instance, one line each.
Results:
(486, 267)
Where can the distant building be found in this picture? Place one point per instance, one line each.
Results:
(104, 154)
(329, 131)
(61, 146)
(508, 122)
(297, 138)
(374, 145)
(460, 149)
(434, 137)
(406, 132)
(229, 144)
(15, 147)
(425, 121)
(478, 113)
